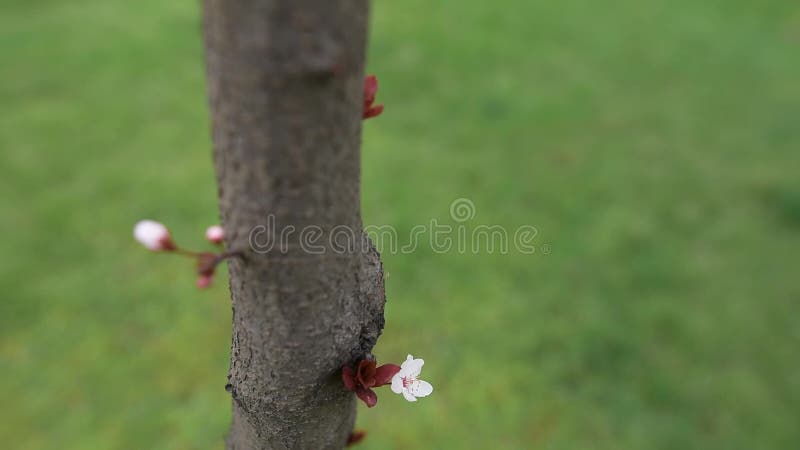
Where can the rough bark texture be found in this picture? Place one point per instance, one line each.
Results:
(285, 85)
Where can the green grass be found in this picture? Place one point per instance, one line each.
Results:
(654, 145)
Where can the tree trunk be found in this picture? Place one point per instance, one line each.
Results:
(286, 93)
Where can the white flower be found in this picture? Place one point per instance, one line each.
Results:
(406, 382)
(153, 235)
(215, 234)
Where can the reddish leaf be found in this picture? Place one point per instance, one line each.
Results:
(368, 396)
(372, 112)
(370, 90)
(348, 378)
(384, 374)
(366, 373)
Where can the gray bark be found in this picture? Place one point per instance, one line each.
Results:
(285, 85)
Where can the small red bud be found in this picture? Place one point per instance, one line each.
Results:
(355, 437)
(204, 281)
(370, 90)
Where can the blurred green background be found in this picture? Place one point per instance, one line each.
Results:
(655, 145)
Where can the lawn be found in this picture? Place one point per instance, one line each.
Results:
(655, 146)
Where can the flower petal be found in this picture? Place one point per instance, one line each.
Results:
(348, 378)
(397, 383)
(384, 374)
(413, 366)
(408, 396)
(368, 396)
(420, 388)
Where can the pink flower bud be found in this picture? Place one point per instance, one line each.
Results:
(204, 281)
(215, 234)
(153, 235)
